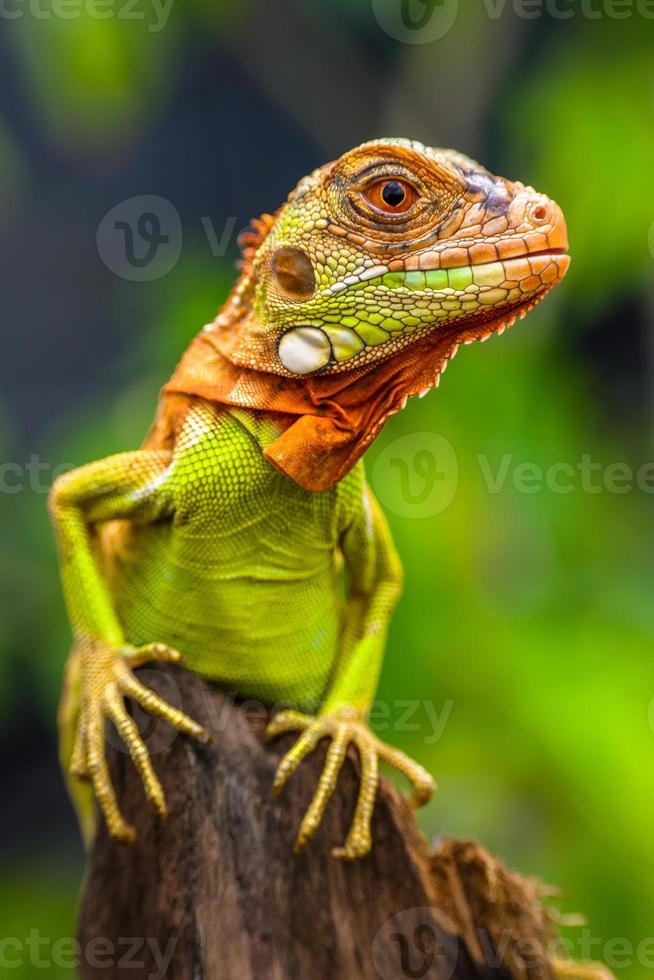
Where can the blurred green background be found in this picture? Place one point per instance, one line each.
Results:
(527, 619)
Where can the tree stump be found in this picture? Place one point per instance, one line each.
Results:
(215, 890)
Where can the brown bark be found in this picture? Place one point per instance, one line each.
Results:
(215, 891)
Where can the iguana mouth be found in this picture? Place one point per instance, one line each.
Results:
(544, 251)
(471, 300)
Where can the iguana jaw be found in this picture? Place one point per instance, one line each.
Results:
(456, 305)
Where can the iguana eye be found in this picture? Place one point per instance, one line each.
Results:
(392, 196)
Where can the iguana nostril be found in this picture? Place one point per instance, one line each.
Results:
(539, 213)
(293, 270)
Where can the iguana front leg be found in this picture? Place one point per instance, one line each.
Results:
(135, 486)
(375, 577)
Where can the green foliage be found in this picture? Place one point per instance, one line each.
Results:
(37, 901)
(583, 123)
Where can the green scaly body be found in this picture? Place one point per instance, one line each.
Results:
(244, 576)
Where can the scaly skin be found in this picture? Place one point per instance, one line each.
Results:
(395, 249)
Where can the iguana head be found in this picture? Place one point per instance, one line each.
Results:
(356, 293)
(390, 244)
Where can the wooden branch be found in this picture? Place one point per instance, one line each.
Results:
(215, 890)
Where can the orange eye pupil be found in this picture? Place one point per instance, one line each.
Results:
(392, 196)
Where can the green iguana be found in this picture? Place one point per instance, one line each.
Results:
(223, 539)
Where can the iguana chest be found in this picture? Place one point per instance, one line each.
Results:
(242, 578)
(235, 505)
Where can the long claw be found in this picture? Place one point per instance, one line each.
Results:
(287, 721)
(326, 786)
(359, 839)
(305, 744)
(129, 733)
(151, 652)
(104, 791)
(77, 766)
(150, 701)
(422, 783)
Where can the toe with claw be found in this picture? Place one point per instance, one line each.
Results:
(107, 678)
(344, 728)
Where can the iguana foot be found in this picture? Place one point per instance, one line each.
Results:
(344, 728)
(107, 679)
